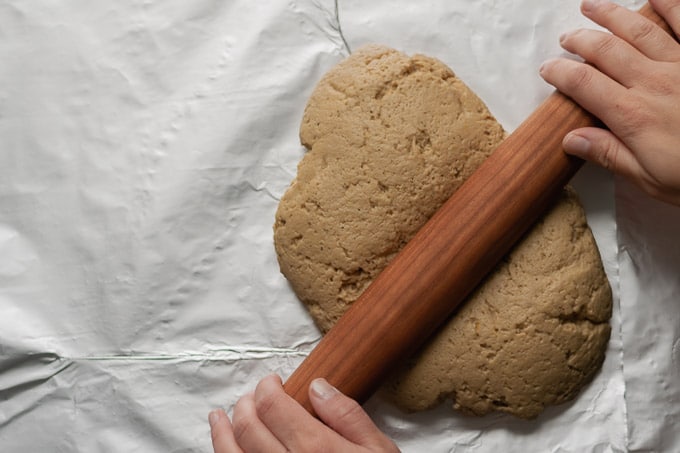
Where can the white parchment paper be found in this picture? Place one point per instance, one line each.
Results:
(145, 146)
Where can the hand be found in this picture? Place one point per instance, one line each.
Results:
(269, 420)
(633, 86)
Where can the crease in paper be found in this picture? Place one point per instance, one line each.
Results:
(146, 146)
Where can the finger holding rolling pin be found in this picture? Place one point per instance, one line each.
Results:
(270, 420)
(632, 84)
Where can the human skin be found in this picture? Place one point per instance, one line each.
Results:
(268, 420)
(632, 84)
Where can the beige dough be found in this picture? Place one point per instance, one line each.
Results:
(390, 138)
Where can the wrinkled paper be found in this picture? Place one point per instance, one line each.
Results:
(145, 146)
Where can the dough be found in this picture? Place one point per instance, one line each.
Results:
(390, 138)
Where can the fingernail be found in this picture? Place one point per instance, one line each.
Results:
(322, 389)
(214, 417)
(576, 144)
(545, 65)
(589, 5)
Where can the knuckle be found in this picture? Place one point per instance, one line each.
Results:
(606, 44)
(642, 30)
(348, 411)
(242, 427)
(243, 420)
(580, 77)
(265, 404)
(608, 156)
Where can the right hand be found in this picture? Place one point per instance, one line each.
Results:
(633, 86)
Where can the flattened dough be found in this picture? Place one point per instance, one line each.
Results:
(390, 138)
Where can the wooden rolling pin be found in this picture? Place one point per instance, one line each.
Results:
(450, 255)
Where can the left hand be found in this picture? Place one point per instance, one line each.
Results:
(268, 420)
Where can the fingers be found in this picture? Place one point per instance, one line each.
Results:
(269, 420)
(613, 56)
(639, 32)
(605, 149)
(346, 417)
(250, 432)
(670, 11)
(292, 425)
(629, 53)
(222, 433)
(593, 90)
(632, 87)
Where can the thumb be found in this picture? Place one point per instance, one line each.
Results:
(345, 416)
(602, 147)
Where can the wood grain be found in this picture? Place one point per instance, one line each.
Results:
(449, 256)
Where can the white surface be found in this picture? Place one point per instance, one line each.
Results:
(144, 148)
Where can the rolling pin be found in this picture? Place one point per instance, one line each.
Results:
(450, 254)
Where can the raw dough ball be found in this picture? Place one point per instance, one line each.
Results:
(390, 138)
